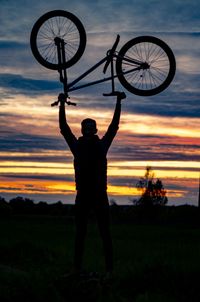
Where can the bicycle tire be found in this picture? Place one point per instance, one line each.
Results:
(62, 24)
(161, 66)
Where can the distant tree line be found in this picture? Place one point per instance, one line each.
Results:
(152, 194)
(25, 206)
(137, 214)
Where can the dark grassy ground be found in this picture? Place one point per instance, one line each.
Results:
(153, 263)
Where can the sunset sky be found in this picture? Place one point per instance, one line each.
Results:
(161, 131)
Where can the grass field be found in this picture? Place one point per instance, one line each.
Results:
(153, 263)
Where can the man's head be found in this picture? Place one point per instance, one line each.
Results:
(89, 127)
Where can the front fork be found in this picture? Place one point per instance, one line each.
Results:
(60, 44)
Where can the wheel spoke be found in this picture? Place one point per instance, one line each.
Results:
(148, 77)
(57, 24)
(57, 27)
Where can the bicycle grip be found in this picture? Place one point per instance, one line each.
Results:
(70, 103)
(55, 104)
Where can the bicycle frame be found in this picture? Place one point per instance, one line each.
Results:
(71, 87)
(109, 58)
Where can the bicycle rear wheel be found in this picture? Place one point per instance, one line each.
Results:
(61, 24)
(145, 65)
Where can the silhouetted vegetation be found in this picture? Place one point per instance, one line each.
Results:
(156, 254)
(134, 214)
(26, 206)
(153, 263)
(153, 192)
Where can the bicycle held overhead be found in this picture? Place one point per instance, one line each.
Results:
(145, 65)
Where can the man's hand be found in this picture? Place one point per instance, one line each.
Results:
(62, 98)
(120, 95)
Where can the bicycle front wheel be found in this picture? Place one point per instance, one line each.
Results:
(57, 24)
(145, 65)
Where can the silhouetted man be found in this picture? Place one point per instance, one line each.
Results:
(90, 166)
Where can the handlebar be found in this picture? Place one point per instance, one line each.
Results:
(67, 102)
(63, 97)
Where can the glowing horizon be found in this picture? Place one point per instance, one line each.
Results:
(44, 187)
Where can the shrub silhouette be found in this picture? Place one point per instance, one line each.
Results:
(153, 192)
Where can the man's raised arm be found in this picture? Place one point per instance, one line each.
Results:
(114, 125)
(64, 127)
